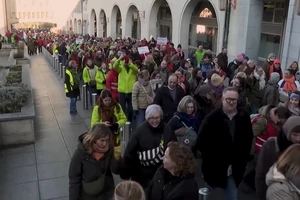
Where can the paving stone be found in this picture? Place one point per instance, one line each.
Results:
(24, 191)
(19, 175)
(53, 155)
(17, 150)
(42, 134)
(74, 129)
(46, 125)
(54, 188)
(49, 143)
(53, 170)
(18, 160)
(71, 150)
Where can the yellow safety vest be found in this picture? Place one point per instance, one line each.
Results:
(71, 81)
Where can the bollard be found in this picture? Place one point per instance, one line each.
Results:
(204, 192)
(61, 70)
(53, 62)
(125, 136)
(64, 72)
(85, 97)
(94, 99)
(56, 64)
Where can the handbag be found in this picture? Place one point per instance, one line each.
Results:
(189, 138)
(96, 187)
(149, 99)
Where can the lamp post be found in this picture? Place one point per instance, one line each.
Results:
(82, 16)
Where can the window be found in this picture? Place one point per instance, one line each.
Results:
(269, 44)
(274, 12)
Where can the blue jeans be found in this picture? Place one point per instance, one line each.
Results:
(231, 190)
(126, 104)
(91, 90)
(73, 108)
(140, 118)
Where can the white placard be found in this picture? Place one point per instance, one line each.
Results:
(143, 50)
(79, 40)
(162, 40)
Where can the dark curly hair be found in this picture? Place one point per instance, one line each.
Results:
(183, 158)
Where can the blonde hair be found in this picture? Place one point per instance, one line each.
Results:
(184, 102)
(129, 190)
(289, 162)
(98, 131)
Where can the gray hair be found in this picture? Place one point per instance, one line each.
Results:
(271, 55)
(152, 109)
(184, 102)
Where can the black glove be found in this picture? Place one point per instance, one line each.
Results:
(104, 82)
(115, 127)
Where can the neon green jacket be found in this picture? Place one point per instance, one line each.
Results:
(126, 79)
(86, 76)
(100, 78)
(121, 118)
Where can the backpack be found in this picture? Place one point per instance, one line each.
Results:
(190, 137)
(262, 138)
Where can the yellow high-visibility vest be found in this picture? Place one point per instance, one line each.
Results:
(71, 81)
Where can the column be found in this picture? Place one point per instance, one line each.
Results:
(245, 29)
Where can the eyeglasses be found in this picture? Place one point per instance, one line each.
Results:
(230, 100)
(154, 119)
(101, 141)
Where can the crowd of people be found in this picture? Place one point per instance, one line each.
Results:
(232, 115)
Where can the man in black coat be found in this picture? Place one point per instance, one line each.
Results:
(168, 97)
(225, 139)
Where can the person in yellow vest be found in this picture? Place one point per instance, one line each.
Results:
(89, 78)
(72, 86)
(126, 78)
(101, 76)
(110, 113)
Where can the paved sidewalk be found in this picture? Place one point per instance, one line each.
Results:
(40, 171)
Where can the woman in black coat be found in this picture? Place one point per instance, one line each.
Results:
(91, 167)
(145, 150)
(175, 179)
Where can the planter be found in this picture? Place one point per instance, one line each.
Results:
(22, 61)
(18, 128)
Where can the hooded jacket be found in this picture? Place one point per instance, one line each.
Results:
(271, 93)
(270, 153)
(84, 167)
(279, 188)
(112, 83)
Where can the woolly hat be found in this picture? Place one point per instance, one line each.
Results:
(274, 77)
(216, 80)
(126, 59)
(289, 125)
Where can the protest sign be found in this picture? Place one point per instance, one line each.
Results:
(143, 50)
(162, 40)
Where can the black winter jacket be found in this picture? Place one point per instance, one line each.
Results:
(219, 149)
(145, 138)
(165, 186)
(164, 99)
(84, 167)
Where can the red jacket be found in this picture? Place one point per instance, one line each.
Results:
(40, 42)
(76, 59)
(112, 83)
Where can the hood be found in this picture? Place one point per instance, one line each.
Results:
(265, 111)
(80, 141)
(276, 61)
(274, 176)
(290, 124)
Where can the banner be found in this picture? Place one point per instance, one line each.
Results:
(143, 50)
(162, 40)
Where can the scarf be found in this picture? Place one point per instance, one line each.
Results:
(107, 114)
(261, 79)
(289, 84)
(181, 83)
(294, 110)
(217, 89)
(189, 120)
